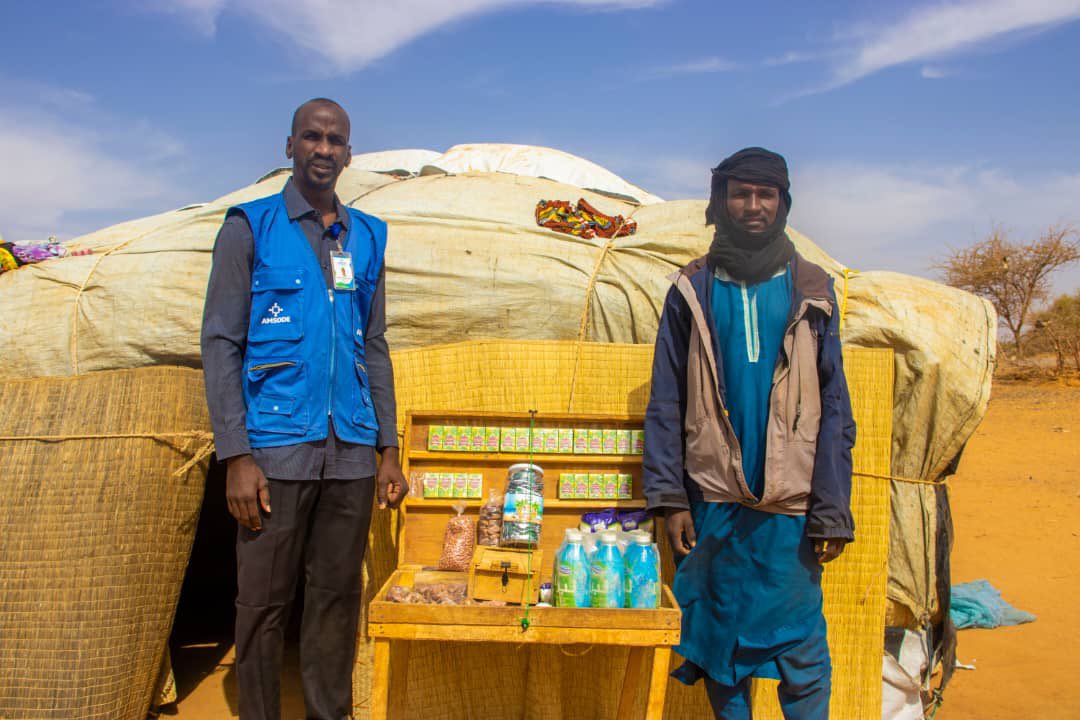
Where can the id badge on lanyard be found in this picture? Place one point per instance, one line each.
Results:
(343, 270)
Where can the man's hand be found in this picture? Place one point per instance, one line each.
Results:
(829, 550)
(390, 483)
(245, 489)
(680, 531)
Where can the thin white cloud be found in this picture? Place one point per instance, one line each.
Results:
(932, 72)
(905, 218)
(53, 168)
(695, 67)
(938, 30)
(792, 58)
(362, 31)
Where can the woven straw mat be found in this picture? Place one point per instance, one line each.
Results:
(96, 536)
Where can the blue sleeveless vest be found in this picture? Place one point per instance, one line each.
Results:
(304, 363)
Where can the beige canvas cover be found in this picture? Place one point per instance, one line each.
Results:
(466, 260)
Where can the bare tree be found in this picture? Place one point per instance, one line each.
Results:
(1060, 325)
(1014, 277)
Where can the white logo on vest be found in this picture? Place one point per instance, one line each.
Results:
(278, 318)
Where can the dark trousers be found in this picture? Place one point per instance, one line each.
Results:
(322, 527)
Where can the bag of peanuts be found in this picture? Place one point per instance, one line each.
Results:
(489, 527)
(459, 540)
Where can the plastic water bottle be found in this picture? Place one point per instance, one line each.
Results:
(642, 567)
(572, 572)
(606, 574)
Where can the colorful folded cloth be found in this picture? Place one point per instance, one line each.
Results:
(583, 221)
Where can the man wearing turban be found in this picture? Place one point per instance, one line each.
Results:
(748, 439)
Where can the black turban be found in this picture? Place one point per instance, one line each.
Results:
(749, 256)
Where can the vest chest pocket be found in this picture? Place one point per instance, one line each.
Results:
(277, 311)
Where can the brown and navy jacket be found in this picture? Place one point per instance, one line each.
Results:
(691, 452)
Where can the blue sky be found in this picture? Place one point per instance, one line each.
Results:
(909, 127)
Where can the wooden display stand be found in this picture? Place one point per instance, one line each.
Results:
(649, 633)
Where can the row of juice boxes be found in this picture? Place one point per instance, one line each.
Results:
(580, 441)
(596, 486)
(452, 484)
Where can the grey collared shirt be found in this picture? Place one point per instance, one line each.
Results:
(224, 339)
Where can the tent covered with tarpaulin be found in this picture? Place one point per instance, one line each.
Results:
(467, 261)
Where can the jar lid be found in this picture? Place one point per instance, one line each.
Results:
(522, 467)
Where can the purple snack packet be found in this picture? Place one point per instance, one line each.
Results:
(598, 521)
(631, 519)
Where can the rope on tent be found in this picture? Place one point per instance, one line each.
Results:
(201, 454)
(848, 272)
(583, 322)
(898, 478)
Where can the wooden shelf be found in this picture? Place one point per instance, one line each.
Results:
(513, 458)
(549, 503)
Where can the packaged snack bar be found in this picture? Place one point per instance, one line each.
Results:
(446, 484)
(566, 486)
(611, 486)
(622, 442)
(476, 485)
(435, 437)
(491, 439)
(461, 485)
(550, 438)
(596, 486)
(431, 485)
(637, 442)
(464, 438)
(507, 437)
(626, 486)
(566, 441)
(522, 440)
(608, 439)
(596, 441)
(581, 486)
(477, 438)
(581, 441)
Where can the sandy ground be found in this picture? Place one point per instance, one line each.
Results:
(1016, 514)
(1016, 508)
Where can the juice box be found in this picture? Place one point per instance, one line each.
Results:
(430, 482)
(507, 437)
(477, 439)
(626, 486)
(637, 442)
(461, 485)
(596, 486)
(611, 486)
(566, 440)
(581, 485)
(622, 442)
(491, 439)
(608, 438)
(476, 485)
(536, 442)
(550, 438)
(596, 441)
(581, 441)
(449, 440)
(521, 440)
(464, 438)
(566, 486)
(446, 485)
(435, 437)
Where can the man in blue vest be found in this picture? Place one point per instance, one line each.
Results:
(301, 395)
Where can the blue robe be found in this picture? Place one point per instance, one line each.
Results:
(751, 588)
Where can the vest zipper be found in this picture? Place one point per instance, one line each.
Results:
(333, 343)
(269, 366)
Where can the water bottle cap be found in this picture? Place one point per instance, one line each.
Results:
(574, 536)
(642, 538)
(608, 537)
